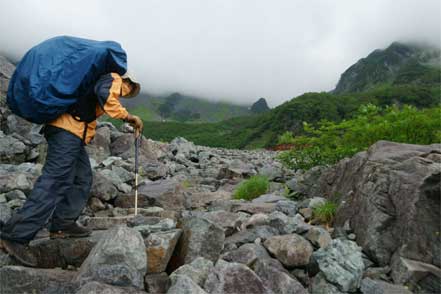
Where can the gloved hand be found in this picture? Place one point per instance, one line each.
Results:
(136, 122)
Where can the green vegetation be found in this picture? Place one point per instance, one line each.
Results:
(328, 142)
(252, 188)
(286, 138)
(325, 213)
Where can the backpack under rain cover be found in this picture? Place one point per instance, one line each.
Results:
(60, 72)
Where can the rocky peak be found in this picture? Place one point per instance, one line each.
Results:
(260, 106)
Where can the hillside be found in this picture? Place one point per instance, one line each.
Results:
(184, 108)
(398, 64)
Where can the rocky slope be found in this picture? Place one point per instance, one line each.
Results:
(190, 236)
(400, 63)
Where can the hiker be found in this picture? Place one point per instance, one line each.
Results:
(61, 192)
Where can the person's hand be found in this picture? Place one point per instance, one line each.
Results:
(136, 122)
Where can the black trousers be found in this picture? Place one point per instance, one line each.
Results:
(59, 194)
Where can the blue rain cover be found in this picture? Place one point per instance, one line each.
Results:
(55, 73)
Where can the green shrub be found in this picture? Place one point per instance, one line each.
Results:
(252, 188)
(330, 142)
(325, 213)
(286, 138)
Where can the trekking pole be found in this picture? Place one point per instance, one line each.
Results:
(137, 143)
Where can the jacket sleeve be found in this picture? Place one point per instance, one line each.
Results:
(108, 90)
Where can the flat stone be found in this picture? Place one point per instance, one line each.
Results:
(159, 247)
(254, 208)
(104, 223)
(268, 198)
(162, 225)
(369, 286)
(251, 235)
(96, 287)
(229, 221)
(292, 250)
(19, 279)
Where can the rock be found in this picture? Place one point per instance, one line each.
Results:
(315, 202)
(15, 195)
(16, 203)
(102, 187)
(389, 193)
(119, 258)
(287, 207)
(161, 225)
(198, 270)
(229, 221)
(104, 223)
(153, 170)
(319, 237)
(377, 273)
(292, 184)
(204, 198)
(233, 278)
(164, 193)
(268, 198)
(258, 219)
(250, 235)
(246, 254)
(288, 225)
(319, 285)
(273, 171)
(253, 208)
(160, 246)
(369, 286)
(12, 150)
(99, 147)
(200, 238)
(96, 287)
(292, 250)
(10, 181)
(51, 253)
(5, 212)
(19, 279)
(157, 283)
(180, 145)
(341, 263)
(277, 278)
(6, 71)
(96, 204)
(184, 285)
(306, 212)
(238, 168)
(420, 277)
(124, 147)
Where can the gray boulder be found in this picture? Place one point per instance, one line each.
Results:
(198, 270)
(251, 235)
(200, 238)
(389, 193)
(246, 254)
(233, 278)
(160, 246)
(275, 277)
(292, 250)
(319, 237)
(157, 283)
(164, 193)
(5, 212)
(6, 71)
(119, 259)
(12, 150)
(341, 263)
(320, 285)
(184, 285)
(102, 187)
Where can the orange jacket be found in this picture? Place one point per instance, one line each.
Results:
(108, 90)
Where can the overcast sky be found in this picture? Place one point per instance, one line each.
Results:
(234, 50)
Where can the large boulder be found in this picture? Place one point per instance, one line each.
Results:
(119, 259)
(233, 278)
(99, 148)
(275, 277)
(6, 71)
(341, 263)
(12, 150)
(200, 238)
(160, 246)
(388, 194)
(96, 287)
(184, 285)
(198, 270)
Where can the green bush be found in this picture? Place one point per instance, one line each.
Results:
(252, 188)
(325, 213)
(286, 138)
(329, 141)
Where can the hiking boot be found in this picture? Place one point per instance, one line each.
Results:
(21, 252)
(73, 230)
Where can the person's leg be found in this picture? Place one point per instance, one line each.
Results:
(70, 207)
(55, 182)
